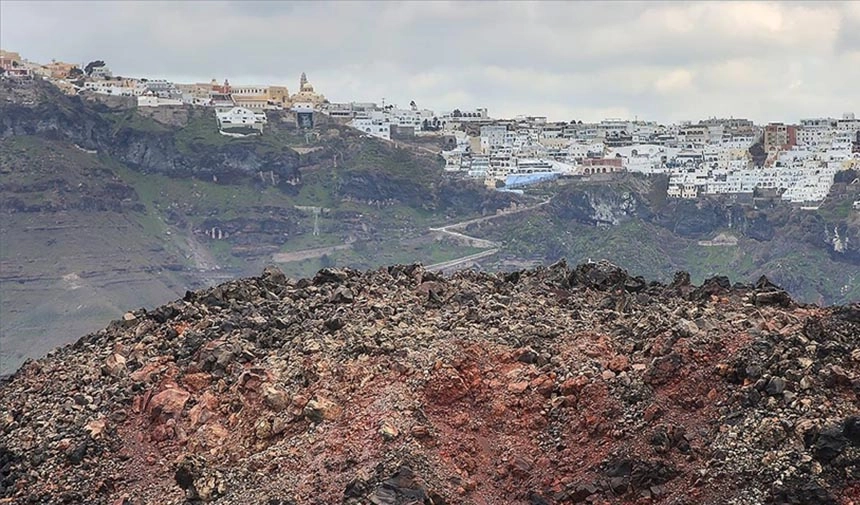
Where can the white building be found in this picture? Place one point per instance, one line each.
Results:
(493, 137)
(374, 123)
(150, 100)
(114, 88)
(412, 117)
(101, 73)
(643, 158)
(479, 166)
(240, 118)
(191, 99)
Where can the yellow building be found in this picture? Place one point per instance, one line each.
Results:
(250, 96)
(59, 69)
(8, 59)
(306, 93)
(258, 97)
(196, 90)
(279, 95)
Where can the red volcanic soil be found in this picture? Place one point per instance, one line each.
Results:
(400, 386)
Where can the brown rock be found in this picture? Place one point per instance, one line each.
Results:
(322, 409)
(573, 385)
(197, 381)
(263, 429)
(212, 435)
(664, 369)
(543, 384)
(619, 363)
(388, 431)
(839, 377)
(168, 403)
(652, 412)
(204, 410)
(161, 433)
(275, 398)
(114, 365)
(279, 425)
(95, 428)
(419, 431)
(148, 372)
(518, 387)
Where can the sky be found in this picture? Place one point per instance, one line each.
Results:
(766, 61)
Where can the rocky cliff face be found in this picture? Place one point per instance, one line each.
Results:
(608, 205)
(104, 207)
(47, 113)
(399, 386)
(600, 206)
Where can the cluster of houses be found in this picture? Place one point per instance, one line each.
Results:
(238, 109)
(800, 162)
(712, 156)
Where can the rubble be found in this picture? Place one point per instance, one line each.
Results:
(400, 386)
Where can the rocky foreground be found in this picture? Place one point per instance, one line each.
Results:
(400, 386)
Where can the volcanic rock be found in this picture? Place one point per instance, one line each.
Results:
(399, 386)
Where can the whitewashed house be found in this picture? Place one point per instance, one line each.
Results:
(239, 119)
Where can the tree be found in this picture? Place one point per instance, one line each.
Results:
(93, 65)
(75, 72)
(457, 113)
(412, 104)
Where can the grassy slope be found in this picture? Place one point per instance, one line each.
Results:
(68, 270)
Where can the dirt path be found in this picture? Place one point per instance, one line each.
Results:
(305, 254)
(492, 247)
(450, 264)
(463, 224)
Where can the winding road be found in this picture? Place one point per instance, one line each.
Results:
(448, 229)
(492, 247)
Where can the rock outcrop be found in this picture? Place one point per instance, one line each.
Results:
(47, 113)
(400, 386)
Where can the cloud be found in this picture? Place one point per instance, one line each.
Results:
(676, 81)
(660, 60)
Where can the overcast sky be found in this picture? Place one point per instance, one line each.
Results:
(586, 61)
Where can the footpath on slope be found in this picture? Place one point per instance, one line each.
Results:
(493, 247)
(449, 230)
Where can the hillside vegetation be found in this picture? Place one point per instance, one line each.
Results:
(108, 207)
(813, 254)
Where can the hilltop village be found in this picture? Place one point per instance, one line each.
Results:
(796, 162)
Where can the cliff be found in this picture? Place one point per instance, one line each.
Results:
(135, 140)
(105, 207)
(814, 254)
